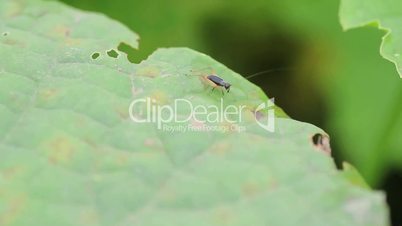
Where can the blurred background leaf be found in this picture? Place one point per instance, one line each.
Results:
(337, 80)
(385, 14)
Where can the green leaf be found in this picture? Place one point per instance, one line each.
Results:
(71, 155)
(367, 95)
(366, 105)
(386, 15)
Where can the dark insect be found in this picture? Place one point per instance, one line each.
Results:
(216, 81)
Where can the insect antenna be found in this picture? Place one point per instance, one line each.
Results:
(269, 71)
(202, 70)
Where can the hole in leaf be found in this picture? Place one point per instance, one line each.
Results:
(317, 139)
(321, 142)
(95, 55)
(112, 53)
(132, 54)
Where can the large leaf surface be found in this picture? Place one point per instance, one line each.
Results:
(70, 155)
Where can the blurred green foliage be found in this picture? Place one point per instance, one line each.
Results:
(386, 14)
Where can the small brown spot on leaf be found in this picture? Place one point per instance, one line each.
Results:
(60, 31)
(89, 217)
(122, 112)
(160, 98)
(198, 125)
(148, 72)
(122, 160)
(220, 148)
(67, 33)
(72, 41)
(47, 94)
(224, 216)
(90, 142)
(136, 91)
(60, 150)
(149, 142)
(11, 172)
(14, 207)
(14, 9)
(10, 42)
(250, 189)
